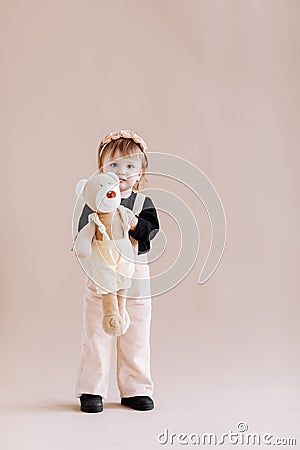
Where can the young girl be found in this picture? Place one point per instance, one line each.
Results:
(124, 154)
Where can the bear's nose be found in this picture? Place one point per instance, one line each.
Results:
(111, 194)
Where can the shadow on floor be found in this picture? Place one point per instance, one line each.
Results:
(50, 407)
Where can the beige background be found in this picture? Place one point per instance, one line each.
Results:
(215, 82)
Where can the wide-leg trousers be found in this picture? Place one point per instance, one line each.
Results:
(132, 348)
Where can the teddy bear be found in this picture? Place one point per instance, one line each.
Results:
(105, 240)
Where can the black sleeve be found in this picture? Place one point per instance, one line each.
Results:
(84, 216)
(148, 224)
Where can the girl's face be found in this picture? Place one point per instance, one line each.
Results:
(127, 168)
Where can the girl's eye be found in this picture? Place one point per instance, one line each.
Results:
(113, 164)
(130, 166)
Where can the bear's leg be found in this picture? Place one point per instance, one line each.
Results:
(112, 321)
(122, 293)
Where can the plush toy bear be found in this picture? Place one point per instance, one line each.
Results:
(105, 239)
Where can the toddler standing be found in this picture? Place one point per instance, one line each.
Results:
(121, 152)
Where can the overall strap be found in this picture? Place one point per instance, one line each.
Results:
(124, 218)
(138, 203)
(101, 227)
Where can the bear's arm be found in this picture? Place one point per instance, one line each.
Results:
(83, 242)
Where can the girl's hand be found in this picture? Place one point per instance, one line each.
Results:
(132, 219)
(133, 223)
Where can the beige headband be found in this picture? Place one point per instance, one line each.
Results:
(126, 134)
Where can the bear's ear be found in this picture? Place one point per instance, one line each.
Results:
(113, 176)
(80, 186)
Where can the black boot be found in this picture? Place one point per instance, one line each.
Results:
(91, 403)
(139, 402)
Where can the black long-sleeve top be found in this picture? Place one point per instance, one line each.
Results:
(147, 226)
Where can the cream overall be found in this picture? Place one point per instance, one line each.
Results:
(133, 347)
(112, 260)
